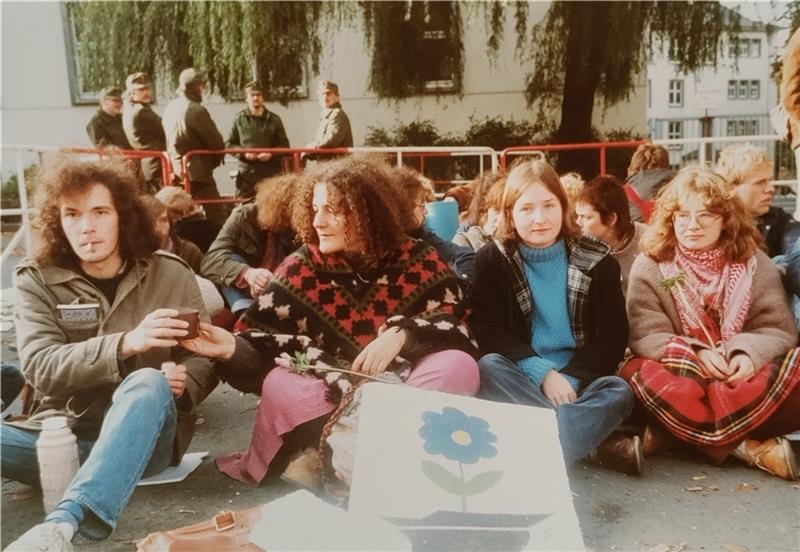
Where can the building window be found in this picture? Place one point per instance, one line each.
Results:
(742, 90)
(81, 94)
(742, 127)
(676, 93)
(674, 132)
(438, 71)
(731, 89)
(755, 89)
(746, 48)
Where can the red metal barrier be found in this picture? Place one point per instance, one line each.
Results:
(166, 166)
(602, 147)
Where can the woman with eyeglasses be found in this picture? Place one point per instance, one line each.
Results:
(715, 364)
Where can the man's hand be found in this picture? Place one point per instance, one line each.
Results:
(251, 156)
(382, 350)
(741, 366)
(158, 329)
(176, 377)
(257, 279)
(713, 364)
(212, 342)
(266, 156)
(556, 388)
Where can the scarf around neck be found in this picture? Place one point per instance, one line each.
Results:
(715, 294)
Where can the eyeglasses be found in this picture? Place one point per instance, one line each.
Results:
(703, 218)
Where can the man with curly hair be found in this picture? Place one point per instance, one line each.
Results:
(98, 335)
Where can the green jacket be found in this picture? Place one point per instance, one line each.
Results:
(143, 128)
(241, 235)
(258, 131)
(106, 130)
(334, 129)
(74, 366)
(188, 126)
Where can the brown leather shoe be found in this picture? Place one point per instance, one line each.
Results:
(657, 439)
(621, 453)
(302, 471)
(774, 456)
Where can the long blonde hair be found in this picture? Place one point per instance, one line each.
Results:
(739, 238)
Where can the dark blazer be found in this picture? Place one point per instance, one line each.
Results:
(501, 327)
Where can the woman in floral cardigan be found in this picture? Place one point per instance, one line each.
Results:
(711, 332)
(357, 299)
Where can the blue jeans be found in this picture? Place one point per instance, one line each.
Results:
(238, 299)
(135, 440)
(582, 425)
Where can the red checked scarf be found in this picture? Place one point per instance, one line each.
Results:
(714, 291)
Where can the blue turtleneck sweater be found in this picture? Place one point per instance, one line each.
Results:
(551, 332)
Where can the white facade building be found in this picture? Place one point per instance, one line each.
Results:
(38, 106)
(731, 99)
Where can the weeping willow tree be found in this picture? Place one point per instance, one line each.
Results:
(412, 45)
(585, 50)
(233, 42)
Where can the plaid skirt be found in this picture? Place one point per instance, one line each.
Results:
(705, 411)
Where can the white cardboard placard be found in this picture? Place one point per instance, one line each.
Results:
(507, 486)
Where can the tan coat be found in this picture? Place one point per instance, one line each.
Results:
(768, 331)
(790, 86)
(74, 366)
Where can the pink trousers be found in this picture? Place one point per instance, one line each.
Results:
(289, 400)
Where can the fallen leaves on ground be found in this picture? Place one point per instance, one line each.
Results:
(747, 487)
(702, 489)
(668, 547)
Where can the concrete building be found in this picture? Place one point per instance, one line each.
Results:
(40, 107)
(731, 99)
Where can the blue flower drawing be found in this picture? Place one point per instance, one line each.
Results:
(456, 436)
(463, 439)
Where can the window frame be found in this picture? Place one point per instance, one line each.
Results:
(675, 95)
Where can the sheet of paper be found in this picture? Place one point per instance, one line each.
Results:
(174, 474)
(301, 521)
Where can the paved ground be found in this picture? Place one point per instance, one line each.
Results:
(732, 508)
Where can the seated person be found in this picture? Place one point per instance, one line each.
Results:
(488, 217)
(748, 170)
(415, 191)
(713, 340)
(189, 218)
(462, 195)
(252, 243)
(359, 295)
(573, 183)
(549, 311)
(171, 242)
(602, 212)
(648, 172)
(480, 188)
(110, 361)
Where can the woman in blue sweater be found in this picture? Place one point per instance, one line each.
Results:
(549, 311)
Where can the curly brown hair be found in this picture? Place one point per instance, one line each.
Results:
(739, 238)
(67, 175)
(480, 189)
(274, 201)
(648, 156)
(523, 174)
(411, 188)
(364, 191)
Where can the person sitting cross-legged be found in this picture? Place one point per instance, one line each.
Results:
(715, 364)
(550, 314)
(359, 295)
(98, 342)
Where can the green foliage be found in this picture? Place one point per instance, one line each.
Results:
(395, 34)
(233, 42)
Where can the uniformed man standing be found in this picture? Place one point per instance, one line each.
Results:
(334, 125)
(105, 127)
(143, 127)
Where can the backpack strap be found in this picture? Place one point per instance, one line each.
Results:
(644, 205)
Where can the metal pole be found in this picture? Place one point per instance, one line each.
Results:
(23, 202)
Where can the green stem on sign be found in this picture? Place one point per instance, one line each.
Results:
(463, 496)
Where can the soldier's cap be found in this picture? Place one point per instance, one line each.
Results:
(326, 85)
(254, 86)
(113, 92)
(191, 77)
(136, 79)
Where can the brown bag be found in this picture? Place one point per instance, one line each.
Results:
(226, 531)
